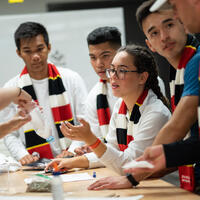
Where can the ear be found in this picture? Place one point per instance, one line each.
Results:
(49, 48)
(18, 53)
(149, 45)
(143, 78)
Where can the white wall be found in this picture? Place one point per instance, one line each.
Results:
(67, 31)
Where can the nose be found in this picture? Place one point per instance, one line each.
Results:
(36, 56)
(99, 63)
(164, 35)
(114, 75)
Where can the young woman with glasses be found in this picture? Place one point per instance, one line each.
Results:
(137, 116)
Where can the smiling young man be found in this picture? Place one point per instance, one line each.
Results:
(181, 152)
(165, 35)
(188, 11)
(58, 91)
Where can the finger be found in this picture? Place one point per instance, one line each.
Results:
(35, 158)
(50, 165)
(141, 158)
(79, 152)
(22, 161)
(65, 130)
(30, 159)
(94, 185)
(69, 125)
(99, 186)
(83, 122)
(99, 182)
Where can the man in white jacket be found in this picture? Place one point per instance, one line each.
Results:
(103, 43)
(58, 91)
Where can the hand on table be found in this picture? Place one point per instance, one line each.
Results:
(64, 153)
(82, 150)
(155, 155)
(28, 159)
(61, 163)
(112, 182)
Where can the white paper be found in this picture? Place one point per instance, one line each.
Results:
(138, 197)
(138, 164)
(75, 177)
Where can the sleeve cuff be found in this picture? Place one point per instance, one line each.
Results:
(93, 160)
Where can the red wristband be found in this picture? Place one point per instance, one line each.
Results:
(96, 144)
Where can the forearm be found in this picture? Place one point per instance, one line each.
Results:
(182, 152)
(5, 128)
(77, 162)
(184, 116)
(162, 173)
(168, 134)
(7, 96)
(100, 149)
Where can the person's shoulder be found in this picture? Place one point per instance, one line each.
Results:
(195, 58)
(12, 82)
(155, 105)
(94, 90)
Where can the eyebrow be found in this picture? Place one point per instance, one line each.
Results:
(104, 52)
(163, 22)
(27, 47)
(118, 65)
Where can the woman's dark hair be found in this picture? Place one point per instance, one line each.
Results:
(144, 61)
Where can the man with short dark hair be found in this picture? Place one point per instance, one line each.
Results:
(60, 92)
(103, 43)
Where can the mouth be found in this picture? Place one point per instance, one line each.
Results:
(114, 86)
(102, 72)
(36, 64)
(169, 46)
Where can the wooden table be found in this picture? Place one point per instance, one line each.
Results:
(151, 189)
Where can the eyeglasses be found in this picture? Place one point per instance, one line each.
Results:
(120, 72)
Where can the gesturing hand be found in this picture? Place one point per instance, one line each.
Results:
(81, 132)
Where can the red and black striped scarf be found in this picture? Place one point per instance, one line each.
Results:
(124, 128)
(186, 173)
(60, 107)
(103, 110)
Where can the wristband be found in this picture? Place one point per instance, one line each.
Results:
(20, 91)
(132, 180)
(96, 144)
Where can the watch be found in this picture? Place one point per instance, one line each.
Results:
(131, 179)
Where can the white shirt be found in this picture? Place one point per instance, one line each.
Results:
(154, 114)
(91, 112)
(162, 86)
(75, 87)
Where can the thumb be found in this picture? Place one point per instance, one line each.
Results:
(140, 158)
